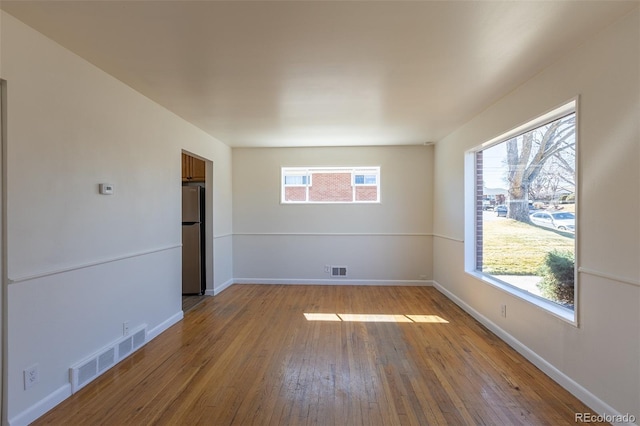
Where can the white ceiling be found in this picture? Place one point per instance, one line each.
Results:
(327, 73)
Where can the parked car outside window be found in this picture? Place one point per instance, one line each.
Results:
(562, 221)
(486, 205)
(501, 210)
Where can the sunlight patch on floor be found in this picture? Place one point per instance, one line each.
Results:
(375, 318)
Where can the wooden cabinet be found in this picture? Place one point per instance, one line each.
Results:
(193, 169)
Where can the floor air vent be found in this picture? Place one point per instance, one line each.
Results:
(86, 371)
(338, 271)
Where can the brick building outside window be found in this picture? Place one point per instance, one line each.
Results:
(330, 185)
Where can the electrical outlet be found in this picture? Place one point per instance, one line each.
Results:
(327, 269)
(31, 376)
(125, 328)
(422, 277)
(503, 311)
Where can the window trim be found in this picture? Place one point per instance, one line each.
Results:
(309, 170)
(565, 314)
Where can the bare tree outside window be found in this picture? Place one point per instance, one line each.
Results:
(541, 160)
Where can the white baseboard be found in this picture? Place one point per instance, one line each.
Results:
(157, 330)
(219, 289)
(577, 390)
(336, 281)
(41, 407)
(50, 401)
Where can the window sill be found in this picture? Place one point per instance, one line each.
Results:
(327, 202)
(554, 309)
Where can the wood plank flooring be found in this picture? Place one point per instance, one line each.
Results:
(378, 356)
(190, 301)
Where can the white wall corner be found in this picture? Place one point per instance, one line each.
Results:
(219, 289)
(157, 330)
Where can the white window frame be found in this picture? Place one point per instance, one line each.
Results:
(470, 185)
(309, 171)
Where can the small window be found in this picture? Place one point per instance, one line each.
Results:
(296, 180)
(526, 243)
(371, 179)
(330, 185)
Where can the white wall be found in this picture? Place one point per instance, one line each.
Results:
(602, 355)
(386, 242)
(80, 263)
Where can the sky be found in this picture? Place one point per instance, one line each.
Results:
(494, 159)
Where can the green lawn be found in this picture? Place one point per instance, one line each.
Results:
(516, 248)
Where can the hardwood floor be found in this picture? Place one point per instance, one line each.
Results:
(379, 356)
(191, 301)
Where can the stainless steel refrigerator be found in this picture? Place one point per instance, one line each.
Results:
(193, 265)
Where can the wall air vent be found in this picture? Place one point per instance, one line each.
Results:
(125, 347)
(139, 338)
(338, 271)
(87, 370)
(106, 359)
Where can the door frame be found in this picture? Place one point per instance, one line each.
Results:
(4, 280)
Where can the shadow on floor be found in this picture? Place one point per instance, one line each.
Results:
(191, 301)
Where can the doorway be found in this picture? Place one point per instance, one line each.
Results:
(197, 233)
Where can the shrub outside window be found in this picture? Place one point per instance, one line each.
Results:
(521, 211)
(330, 185)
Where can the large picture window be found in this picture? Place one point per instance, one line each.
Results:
(330, 185)
(522, 211)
